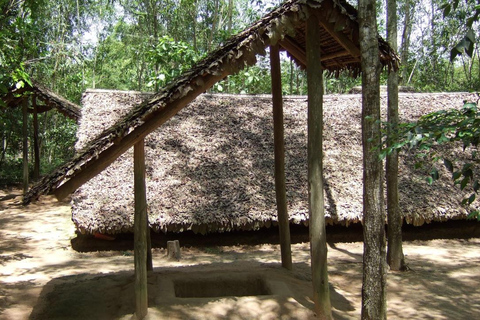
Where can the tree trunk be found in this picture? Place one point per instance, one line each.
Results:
(25, 145)
(36, 147)
(395, 257)
(318, 239)
(213, 31)
(407, 30)
(374, 252)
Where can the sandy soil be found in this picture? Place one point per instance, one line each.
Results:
(42, 277)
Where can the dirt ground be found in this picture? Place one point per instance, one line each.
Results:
(42, 277)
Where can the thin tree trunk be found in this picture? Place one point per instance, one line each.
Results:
(25, 145)
(374, 251)
(291, 76)
(318, 239)
(433, 55)
(230, 17)
(36, 147)
(407, 30)
(395, 257)
(214, 25)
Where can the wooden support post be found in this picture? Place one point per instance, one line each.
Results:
(25, 145)
(140, 232)
(278, 133)
(318, 239)
(149, 248)
(36, 148)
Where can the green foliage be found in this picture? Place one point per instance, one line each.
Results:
(436, 128)
(56, 139)
(170, 58)
(466, 44)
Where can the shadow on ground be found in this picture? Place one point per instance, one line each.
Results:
(454, 229)
(111, 296)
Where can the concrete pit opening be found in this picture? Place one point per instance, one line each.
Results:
(221, 287)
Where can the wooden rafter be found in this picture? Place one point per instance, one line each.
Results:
(299, 53)
(294, 49)
(341, 38)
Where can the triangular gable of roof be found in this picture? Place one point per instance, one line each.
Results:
(50, 99)
(286, 23)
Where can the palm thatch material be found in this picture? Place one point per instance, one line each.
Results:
(210, 169)
(284, 26)
(50, 100)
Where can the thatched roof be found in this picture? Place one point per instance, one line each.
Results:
(211, 167)
(285, 26)
(50, 100)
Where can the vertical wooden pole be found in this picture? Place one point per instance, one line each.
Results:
(25, 145)
(149, 247)
(318, 239)
(278, 134)
(140, 235)
(36, 148)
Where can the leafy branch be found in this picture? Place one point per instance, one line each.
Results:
(437, 128)
(467, 43)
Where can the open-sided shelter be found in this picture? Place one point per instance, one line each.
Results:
(35, 98)
(322, 35)
(48, 100)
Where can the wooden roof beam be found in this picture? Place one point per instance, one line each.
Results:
(299, 53)
(341, 38)
(40, 109)
(334, 55)
(295, 49)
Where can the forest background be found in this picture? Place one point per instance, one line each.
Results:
(73, 45)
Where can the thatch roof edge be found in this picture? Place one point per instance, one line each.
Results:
(50, 98)
(200, 155)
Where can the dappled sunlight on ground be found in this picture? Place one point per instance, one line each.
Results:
(42, 277)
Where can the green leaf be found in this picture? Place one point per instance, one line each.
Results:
(464, 183)
(446, 9)
(467, 167)
(429, 180)
(448, 164)
(466, 45)
(456, 175)
(455, 4)
(476, 186)
(473, 215)
(434, 174)
(471, 198)
(470, 105)
(20, 84)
